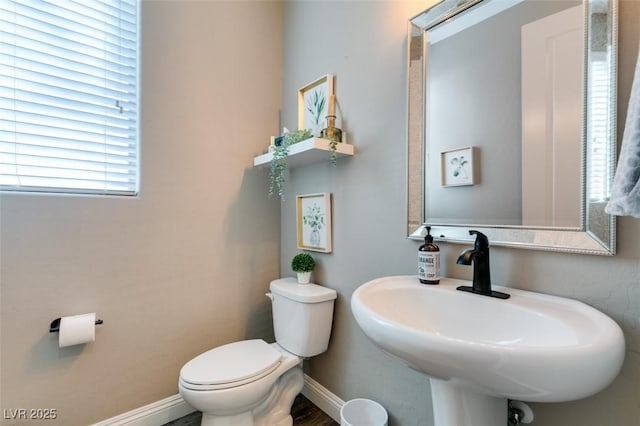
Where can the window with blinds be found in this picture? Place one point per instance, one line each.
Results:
(599, 153)
(69, 96)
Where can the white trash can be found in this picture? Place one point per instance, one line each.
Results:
(363, 412)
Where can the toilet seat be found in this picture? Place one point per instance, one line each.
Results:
(230, 365)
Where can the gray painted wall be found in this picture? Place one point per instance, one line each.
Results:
(175, 272)
(363, 44)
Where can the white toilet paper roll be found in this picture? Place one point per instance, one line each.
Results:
(77, 329)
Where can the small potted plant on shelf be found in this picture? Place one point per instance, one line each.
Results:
(303, 264)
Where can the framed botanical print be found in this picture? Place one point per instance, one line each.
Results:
(313, 212)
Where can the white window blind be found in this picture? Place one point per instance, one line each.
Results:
(599, 155)
(69, 96)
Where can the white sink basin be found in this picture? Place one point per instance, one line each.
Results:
(530, 347)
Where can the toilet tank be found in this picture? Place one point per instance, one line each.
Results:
(302, 316)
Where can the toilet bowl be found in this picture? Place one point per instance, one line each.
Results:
(231, 383)
(252, 382)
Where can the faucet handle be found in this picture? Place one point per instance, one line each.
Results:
(482, 242)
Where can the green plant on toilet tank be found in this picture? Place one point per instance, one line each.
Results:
(303, 264)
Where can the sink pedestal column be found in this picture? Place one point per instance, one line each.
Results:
(454, 405)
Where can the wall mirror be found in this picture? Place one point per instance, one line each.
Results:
(511, 126)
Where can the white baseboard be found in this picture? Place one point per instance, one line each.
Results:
(322, 398)
(154, 414)
(174, 407)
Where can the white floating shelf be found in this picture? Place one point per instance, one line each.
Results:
(308, 151)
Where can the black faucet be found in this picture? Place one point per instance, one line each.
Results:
(479, 256)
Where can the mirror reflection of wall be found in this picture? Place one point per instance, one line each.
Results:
(476, 97)
(528, 86)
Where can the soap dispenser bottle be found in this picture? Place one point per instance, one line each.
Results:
(429, 260)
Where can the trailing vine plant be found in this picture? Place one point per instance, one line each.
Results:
(333, 144)
(278, 172)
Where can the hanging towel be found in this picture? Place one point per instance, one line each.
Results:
(625, 193)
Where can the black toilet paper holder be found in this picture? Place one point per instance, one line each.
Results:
(54, 327)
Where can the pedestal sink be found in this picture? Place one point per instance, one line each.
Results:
(481, 351)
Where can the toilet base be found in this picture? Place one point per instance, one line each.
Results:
(274, 410)
(244, 419)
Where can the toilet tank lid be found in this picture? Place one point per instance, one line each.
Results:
(305, 293)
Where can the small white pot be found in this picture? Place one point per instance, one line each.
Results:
(304, 277)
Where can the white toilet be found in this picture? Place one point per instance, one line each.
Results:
(252, 382)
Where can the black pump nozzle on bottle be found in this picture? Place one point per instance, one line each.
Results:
(428, 239)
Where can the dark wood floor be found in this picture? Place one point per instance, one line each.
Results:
(304, 413)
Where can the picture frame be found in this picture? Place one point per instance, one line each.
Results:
(313, 104)
(457, 167)
(313, 213)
